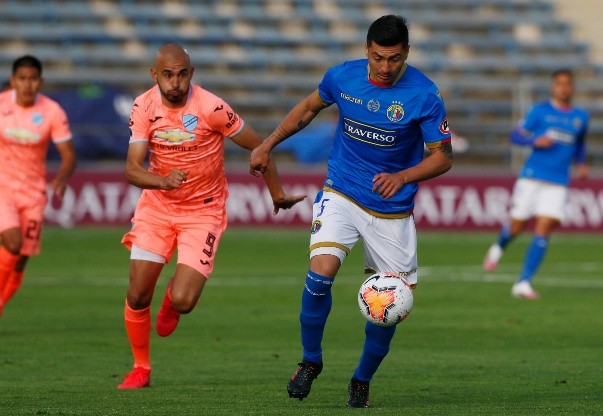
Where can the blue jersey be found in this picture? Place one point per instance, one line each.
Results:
(567, 127)
(381, 129)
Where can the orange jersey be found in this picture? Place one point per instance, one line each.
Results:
(189, 138)
(25, 133)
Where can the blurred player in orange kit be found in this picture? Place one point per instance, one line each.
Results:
(29, 121)
(183, 204)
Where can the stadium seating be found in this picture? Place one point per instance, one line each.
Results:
(489, 57)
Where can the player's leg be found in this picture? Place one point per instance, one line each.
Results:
(533, 257)
(333, 235)
(197, 240)
(390, 245)
(11, 240)
(15, 280)
(31, 218)
(145, 268)
(522, 208)
(152, 243)
(550, 211)
(181, 296)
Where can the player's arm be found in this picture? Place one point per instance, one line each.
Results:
(138, 175)
(582, 170)
(68, 156)
(248, 139)
(436, 163)
(299, 117)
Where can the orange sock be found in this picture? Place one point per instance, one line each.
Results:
(138, 327)
(7, 265)
(13, 284)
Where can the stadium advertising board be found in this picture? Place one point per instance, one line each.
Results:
(450, 202)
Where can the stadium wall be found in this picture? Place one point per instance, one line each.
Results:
(450, 202)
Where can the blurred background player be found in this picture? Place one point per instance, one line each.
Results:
(183, 204)
(388, 112)
(29, 121)
(556, 132)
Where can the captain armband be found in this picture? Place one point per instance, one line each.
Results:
(434, 145)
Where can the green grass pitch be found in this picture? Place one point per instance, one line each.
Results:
(468, 347)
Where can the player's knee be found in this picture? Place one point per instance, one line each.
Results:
(183, 303)
(13, 247)
(138, 301)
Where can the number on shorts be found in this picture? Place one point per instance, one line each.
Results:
(32, 232)
(211, 239)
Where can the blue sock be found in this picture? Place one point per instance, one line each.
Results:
(316, 305)
(534, 256)
(504, 237)
(376, 347)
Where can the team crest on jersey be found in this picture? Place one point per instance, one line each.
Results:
(37, 119)
(577, 123)
(316, 226)
(395, 112)
(373, 105)
(190, 121)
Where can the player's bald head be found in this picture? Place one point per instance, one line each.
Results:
(172, 52)
(172, 72)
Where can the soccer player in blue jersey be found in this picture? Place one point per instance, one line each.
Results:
(556, 132)
(389, 111)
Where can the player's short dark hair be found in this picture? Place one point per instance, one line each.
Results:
(562, 71)
(389, 30)
(27, 61)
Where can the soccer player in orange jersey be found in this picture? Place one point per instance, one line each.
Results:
(29, 121)
(183, 203)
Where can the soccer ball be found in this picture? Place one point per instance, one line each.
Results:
(385, 299)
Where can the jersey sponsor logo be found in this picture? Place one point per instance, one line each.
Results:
(37, 119)
(232, 119)
(21, 135)
(560, 136)
(395, 112)
(174, 136)
(444, 129)
(154, 119)
(190, 121)
(316, 226)
(349, 98)
(373, 105)
(369, 134)
(220, 107)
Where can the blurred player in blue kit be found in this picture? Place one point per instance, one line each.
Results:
(556, 132)
(389, 111)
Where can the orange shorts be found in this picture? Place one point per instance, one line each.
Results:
(24, 212)
(195, 233)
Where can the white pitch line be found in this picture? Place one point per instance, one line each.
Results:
(426, 275)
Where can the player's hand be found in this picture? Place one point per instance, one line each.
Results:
(259, 160)
(175, 178)
(542, 142)
(387, 184)
(58, 187)
(582, 171)
(286, 202)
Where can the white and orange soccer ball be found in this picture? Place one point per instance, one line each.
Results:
(385, 299)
